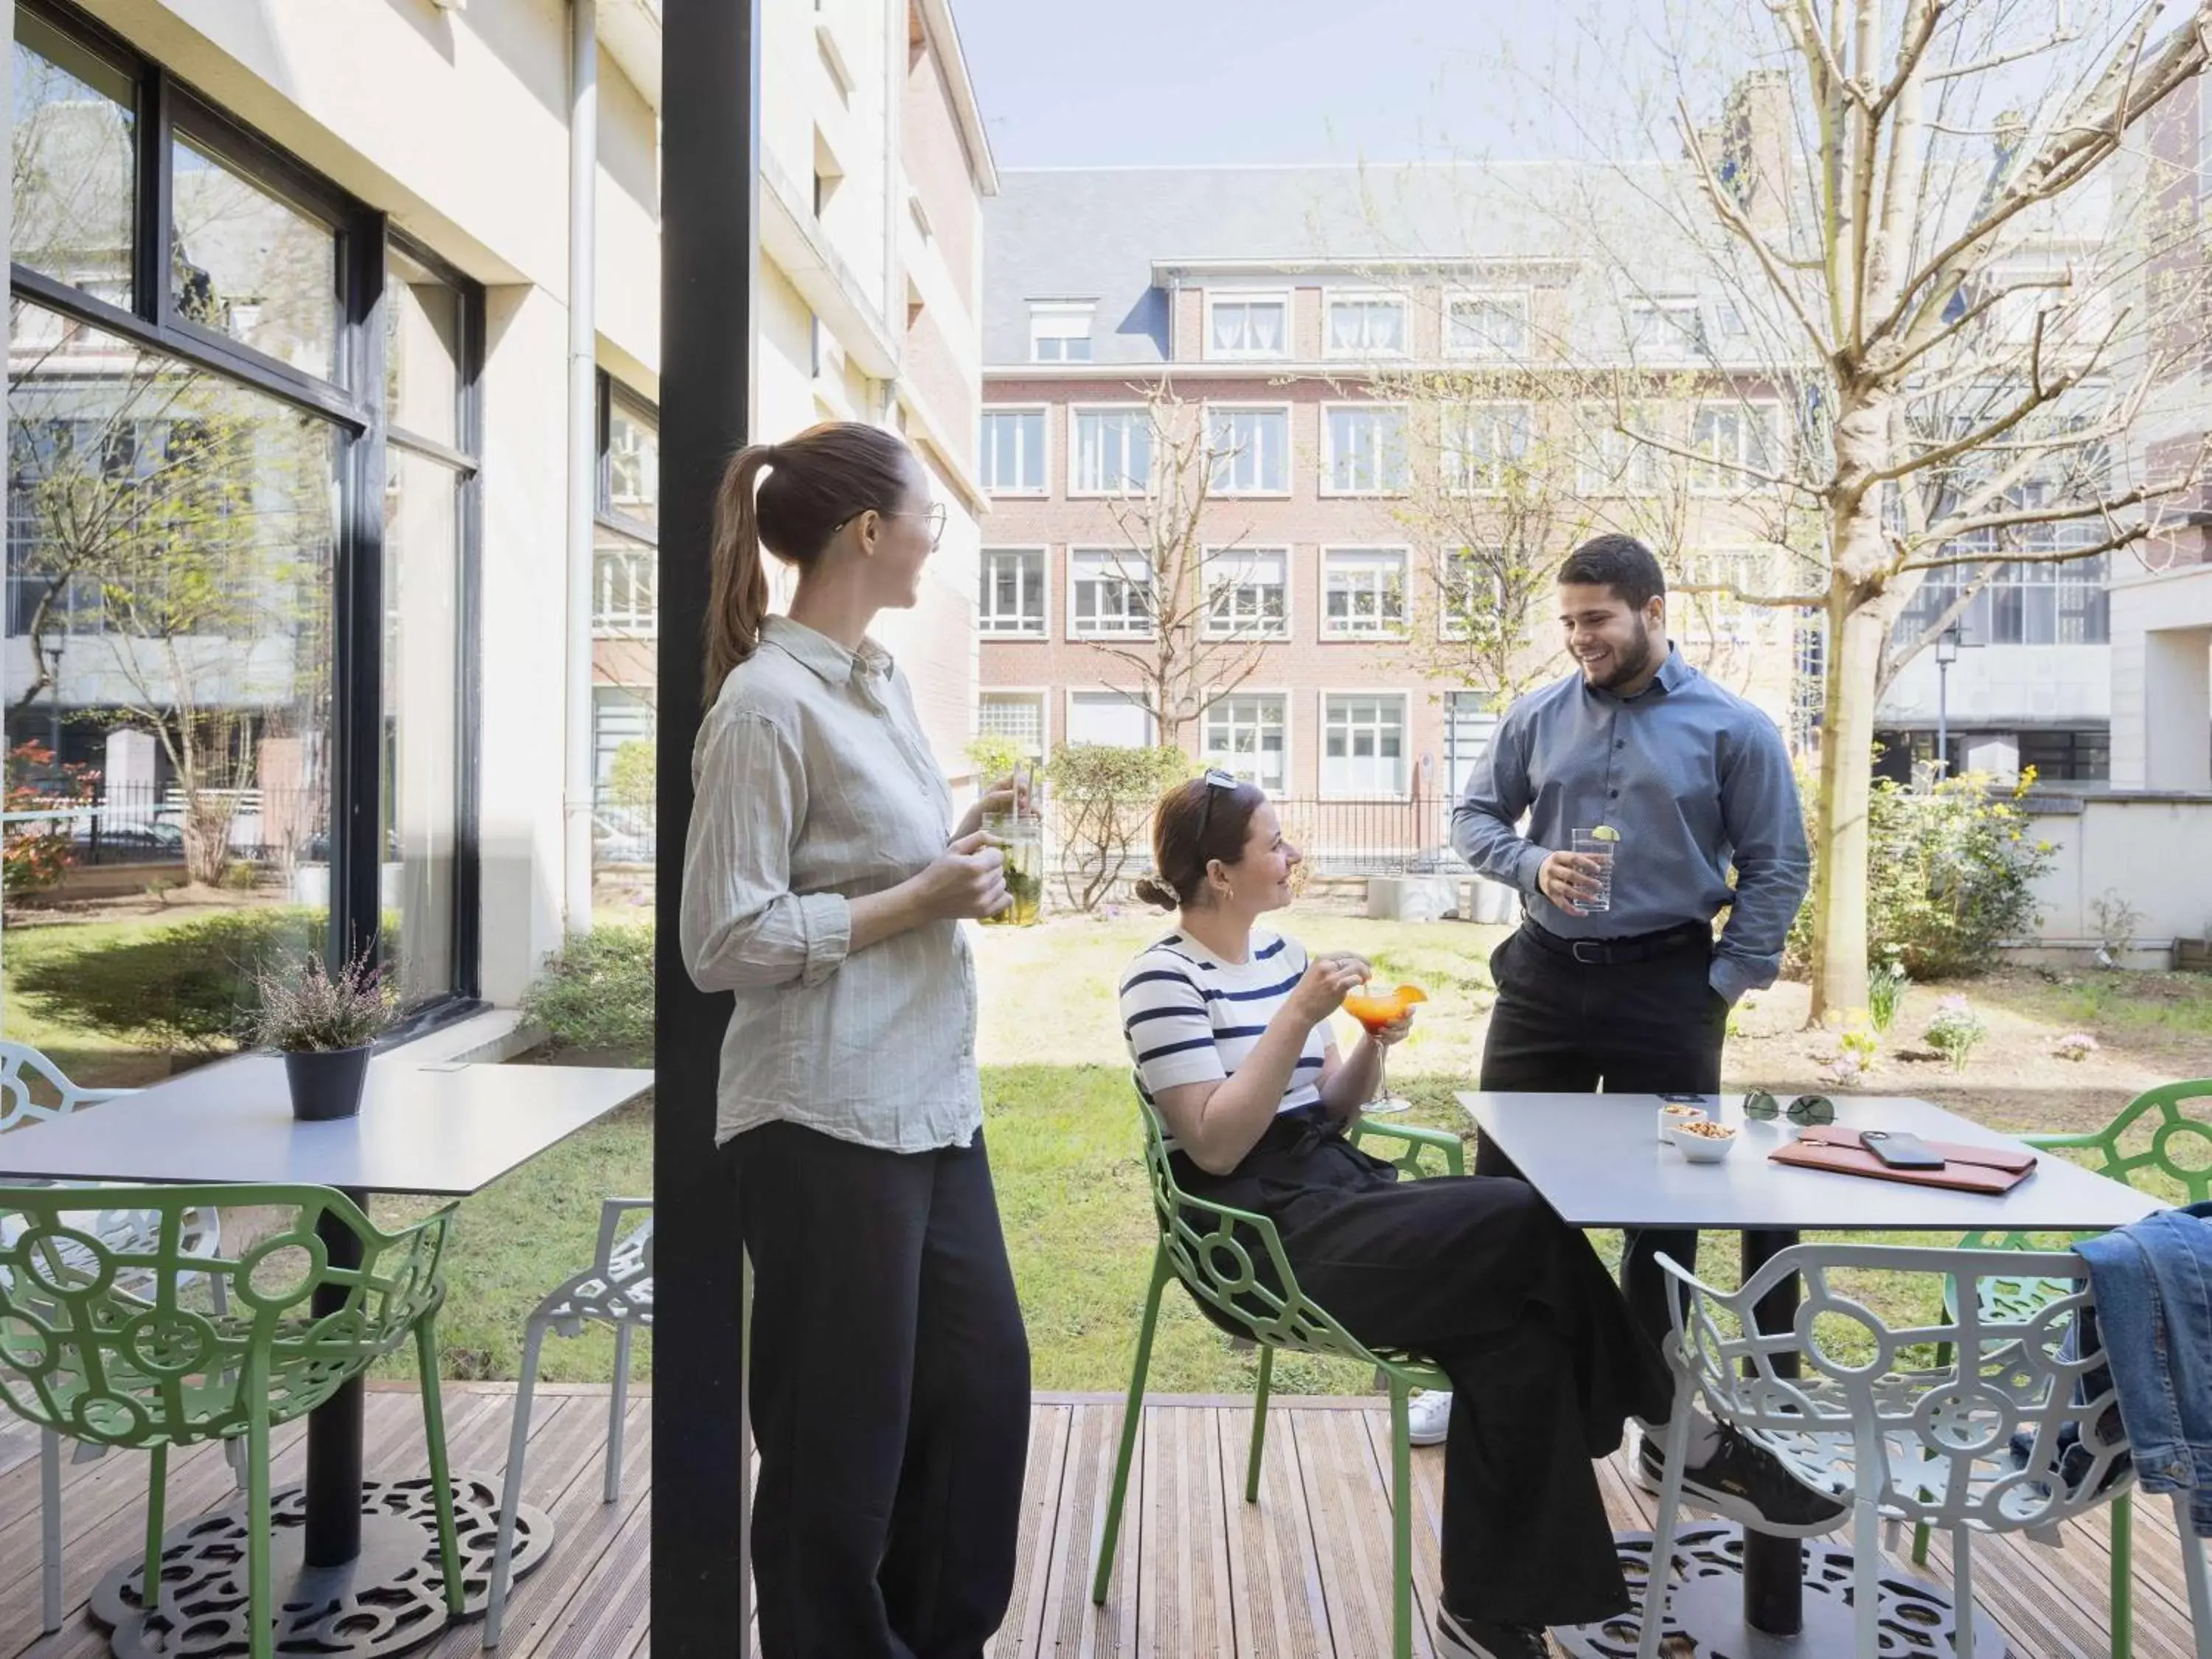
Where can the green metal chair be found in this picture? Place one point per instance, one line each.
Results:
(34, 1090)
(1231, 1261)
(97, 1340)
(2152, 1145)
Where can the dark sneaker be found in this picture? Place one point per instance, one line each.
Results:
(1748, 1483)
(1470, 1638)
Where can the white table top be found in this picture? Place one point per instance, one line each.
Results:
(1598, 1162)
(441, 1129)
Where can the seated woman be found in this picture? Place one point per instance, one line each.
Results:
(1228, 1026)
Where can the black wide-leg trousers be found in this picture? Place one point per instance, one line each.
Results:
(1561, 1026)
(890, 1397)
(1514, 1306)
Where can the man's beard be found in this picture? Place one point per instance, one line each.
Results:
(1629, 662)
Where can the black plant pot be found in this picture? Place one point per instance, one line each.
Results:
(327, 1083)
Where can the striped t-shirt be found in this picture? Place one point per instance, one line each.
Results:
(1190, 1018)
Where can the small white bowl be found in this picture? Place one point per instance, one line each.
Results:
(1702, 1149)
(1676, 1112)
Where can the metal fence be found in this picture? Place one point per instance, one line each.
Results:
(1350, 838)
(144, 823)
(1338, 838)
(621, 828)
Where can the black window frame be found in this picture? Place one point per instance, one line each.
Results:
(352, 402)
(604, 510)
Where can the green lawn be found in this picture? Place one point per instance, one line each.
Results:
(1062, 1130)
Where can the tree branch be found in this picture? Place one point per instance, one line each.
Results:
(1733, 217)
(2123, 536)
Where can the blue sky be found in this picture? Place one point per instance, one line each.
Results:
(1160, 81)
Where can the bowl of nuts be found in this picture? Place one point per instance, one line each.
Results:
(1701, 1140)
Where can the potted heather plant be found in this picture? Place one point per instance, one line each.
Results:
(323, 1025)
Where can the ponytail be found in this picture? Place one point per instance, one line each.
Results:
(737, 602)
(816, 484)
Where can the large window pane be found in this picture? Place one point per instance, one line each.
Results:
(422, 351)
(75, 163)
(247, 263)
(422, 723)
(168, 695)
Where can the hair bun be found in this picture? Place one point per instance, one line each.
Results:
(1152, 892)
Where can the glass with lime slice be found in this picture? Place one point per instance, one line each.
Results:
(1601, 844)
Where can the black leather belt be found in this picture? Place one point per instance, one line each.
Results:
(1616, 953)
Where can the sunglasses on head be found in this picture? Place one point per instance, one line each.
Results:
(1806, 1108)
(1216, 780)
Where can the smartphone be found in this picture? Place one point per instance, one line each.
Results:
(1684, 1100)
(1900, 1151)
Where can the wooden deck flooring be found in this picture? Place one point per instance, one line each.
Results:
(1303, 1575)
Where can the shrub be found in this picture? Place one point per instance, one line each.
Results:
(630, 779)
(1951, 871)
(187, 986)
(1956, 1032)
(994, 758)
(596, 992)
(34, 856)
(1105, 797)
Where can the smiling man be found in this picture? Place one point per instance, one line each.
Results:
(1629, 996)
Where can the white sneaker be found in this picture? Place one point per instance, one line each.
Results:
(1428, 1416)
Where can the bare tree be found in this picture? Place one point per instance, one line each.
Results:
(1955, 265)
(1490, 504)
(1206, 609)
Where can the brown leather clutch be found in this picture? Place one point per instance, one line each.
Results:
(1992, 1169)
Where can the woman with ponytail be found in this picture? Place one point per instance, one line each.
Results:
(825, 880)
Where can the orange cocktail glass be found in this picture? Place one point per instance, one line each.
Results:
(1374, 1010)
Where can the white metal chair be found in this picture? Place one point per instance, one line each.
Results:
(616, 1290)
(34, 1090)
(1936, 1445)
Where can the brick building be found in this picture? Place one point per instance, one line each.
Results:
(1350, 366)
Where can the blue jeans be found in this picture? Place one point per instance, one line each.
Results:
(2154, 1289)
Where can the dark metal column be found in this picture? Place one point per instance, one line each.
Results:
(709, 246)
(1773, 1568)
(334, 1428)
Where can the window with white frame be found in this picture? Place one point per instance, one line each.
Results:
(1730, 438)
(1247, 734)
(1118, 718)
(1110, 452)
(1247, 592)
(1013, 452)
(1482, 443)
(1363, 753)
(1011, 599)
(1363, 592)
(1016, 716)
(625, 579)
(1493, 327)
(1613, 461)
(1248, 324)
(1251, 449)
(1470, 589)
(1110, 593)
(1719, 614)
(1362, 325)
(1665, 329)
(1366, 449)
(1059, 330)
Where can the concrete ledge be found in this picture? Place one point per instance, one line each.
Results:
(1413, 898)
